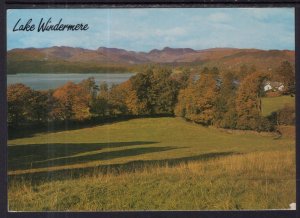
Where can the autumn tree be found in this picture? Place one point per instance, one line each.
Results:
(116, 101)
(184, 103)
(133, 104)
(244, 71)
(248, 102)
(73, 101)
(17, 103)
(141, 84)
(286, 74)
(205, 92)
(197, 101)
(26, 105)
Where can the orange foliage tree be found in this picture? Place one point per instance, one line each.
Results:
(17, 102)
(26, 105)
(73, 102)
(196, 102)
(248, 101)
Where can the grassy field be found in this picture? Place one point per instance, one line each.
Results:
(151, 164)
(263, 180)
(271, 104)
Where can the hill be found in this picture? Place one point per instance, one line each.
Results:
(123, 142)
(69, 59)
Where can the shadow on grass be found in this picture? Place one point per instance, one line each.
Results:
(51, 127)
(133, 166)
(32, 156)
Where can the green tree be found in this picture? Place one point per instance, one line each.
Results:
(156, 90)
(163, 91)
(40, 107)
(141, 83)
(100, 106)
(89, 86)
(182, 78)
(225, 115)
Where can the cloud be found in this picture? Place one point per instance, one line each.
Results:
(146, 29)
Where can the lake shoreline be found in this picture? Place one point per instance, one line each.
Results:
(54, 80)
(58, 73)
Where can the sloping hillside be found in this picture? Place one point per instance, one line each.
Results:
(68, 59)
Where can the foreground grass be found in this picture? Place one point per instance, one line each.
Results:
(151, 164)
(259, 180)
(271, 104)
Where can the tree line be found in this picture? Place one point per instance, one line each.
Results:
(223, 99)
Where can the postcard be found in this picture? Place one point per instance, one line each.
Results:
(151, 109)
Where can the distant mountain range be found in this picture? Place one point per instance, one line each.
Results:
(69, 59)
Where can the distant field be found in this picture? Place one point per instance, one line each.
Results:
(152, 163)
(271, 104)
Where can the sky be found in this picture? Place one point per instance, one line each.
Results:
(156, 28)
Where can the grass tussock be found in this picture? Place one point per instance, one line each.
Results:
(257, 180)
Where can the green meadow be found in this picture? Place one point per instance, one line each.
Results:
(271, 104)
(151, 164)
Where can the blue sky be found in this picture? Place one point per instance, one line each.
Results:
(146, 29)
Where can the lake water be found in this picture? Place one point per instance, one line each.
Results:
(52, 81)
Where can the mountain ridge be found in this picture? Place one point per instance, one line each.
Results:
(65, 58)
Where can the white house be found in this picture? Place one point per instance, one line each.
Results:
(274, 86)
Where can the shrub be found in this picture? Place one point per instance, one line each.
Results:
(286, 115)
(265, 125)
